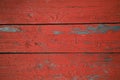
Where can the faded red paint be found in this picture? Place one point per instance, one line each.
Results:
(49, 39)
(63, 38)
(57, 66)
(59, 11)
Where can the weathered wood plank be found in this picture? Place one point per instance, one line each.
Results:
(60, 38)
(60, 11)
(59, 67)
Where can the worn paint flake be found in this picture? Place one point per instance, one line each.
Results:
(99, 29)
(9, 29)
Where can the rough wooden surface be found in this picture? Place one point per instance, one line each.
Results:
(44, 39)
(63, 38)
(58, 66)
(59, 11)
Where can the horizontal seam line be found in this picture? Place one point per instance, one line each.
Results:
(59, 52)
(65, 23)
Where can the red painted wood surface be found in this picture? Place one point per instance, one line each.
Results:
(60, 38)
(59, 11)
(45, 38)
(59, 66)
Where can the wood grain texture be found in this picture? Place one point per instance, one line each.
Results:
(59, 11)
(60, 38)
(59, 67)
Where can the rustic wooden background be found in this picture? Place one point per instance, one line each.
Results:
(59, 39)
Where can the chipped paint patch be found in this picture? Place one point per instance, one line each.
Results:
(93, 77)
(107, 59)
(30, 15)
(75, 78)
(9, 29)
(99, 29)
(79, 31)
(57, 32)
(40, 66)
(103, 28)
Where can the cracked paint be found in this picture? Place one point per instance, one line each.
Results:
(99, 29)
(57, 32)
(9, 29)
(93, 77)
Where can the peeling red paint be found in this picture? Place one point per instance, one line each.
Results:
(60, 11)
(59, 39)
(55, 38)
(56, 66)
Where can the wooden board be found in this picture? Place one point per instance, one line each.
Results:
(60, 38)
(59, 11)
(59, 66)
